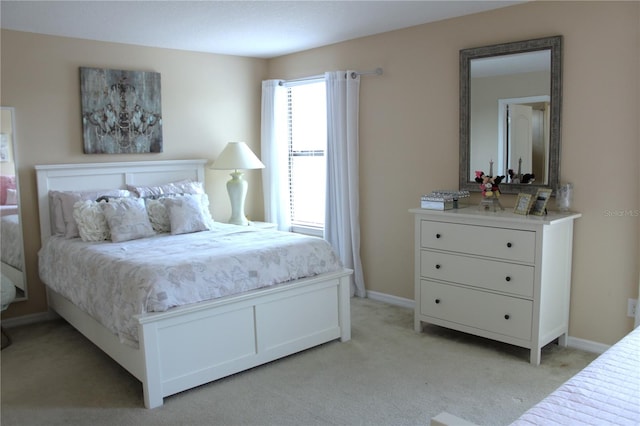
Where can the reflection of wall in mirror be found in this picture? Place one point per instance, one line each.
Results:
(485, 94)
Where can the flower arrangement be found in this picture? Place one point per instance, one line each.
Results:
(489, 184)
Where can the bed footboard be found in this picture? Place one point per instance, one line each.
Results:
(192, 345)
(200, 343)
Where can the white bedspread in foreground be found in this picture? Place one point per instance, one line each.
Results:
(112, 282)
(11, 241)
(606, 392)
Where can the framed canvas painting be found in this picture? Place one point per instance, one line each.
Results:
(121, 111)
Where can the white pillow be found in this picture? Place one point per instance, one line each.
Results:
(92, 225)
(127, 219)
(186, 186)
(189, 213)
(158, 214)
(12, 197)
(61, 208)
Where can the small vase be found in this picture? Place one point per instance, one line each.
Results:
(564, 196)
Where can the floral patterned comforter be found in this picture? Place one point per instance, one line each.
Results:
(112, 282)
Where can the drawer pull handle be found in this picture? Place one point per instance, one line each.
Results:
(437, 266)
(506, 316)
(437, 301)
(509, 245)
(438, 235)
(508, 279)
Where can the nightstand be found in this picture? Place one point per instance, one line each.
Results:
(263, 225)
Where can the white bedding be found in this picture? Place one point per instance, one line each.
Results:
(8, 209)
(606, 392)
(120, 280)
(11, 241)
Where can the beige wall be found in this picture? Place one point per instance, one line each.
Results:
(408, 131)
(207, 100)
(409, 140)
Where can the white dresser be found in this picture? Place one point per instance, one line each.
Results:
(498, 275)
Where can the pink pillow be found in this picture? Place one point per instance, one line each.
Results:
(6, 182)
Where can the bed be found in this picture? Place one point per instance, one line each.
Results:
(606, 392)
(11, 249)
(184, 346)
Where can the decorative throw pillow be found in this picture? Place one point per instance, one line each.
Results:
(186, 186)
(127, 219)
(6, 182)
(92, 225)
(186, 214)
(61, 208)
(158, 214)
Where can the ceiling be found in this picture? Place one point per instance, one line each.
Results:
(261, 29)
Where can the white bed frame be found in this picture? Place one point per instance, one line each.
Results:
(188, 346)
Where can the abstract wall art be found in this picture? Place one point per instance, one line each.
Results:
(121, 111)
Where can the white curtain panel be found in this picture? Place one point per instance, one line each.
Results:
(342, 224)
(273, 151)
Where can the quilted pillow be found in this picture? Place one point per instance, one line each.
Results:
(180, 187)
(189, 213)
(61, 208)
(127, 219)
(158, 214)
(92, 225)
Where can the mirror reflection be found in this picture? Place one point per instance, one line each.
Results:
(510, 105)
(11, 244)
(510, 113)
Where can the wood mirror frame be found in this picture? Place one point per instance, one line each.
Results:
(554, 44)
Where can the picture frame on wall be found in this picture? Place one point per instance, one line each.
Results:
(523, 203)
(539, 206)
(121, 111)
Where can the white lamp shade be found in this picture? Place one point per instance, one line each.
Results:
(237, 155)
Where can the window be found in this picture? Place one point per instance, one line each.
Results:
(307, 119)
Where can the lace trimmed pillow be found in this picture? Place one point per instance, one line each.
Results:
(92, 225)
(127, 219)
(189, 213)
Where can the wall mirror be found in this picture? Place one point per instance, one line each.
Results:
(11, 242)
(510, 107)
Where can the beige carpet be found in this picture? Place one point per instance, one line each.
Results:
(386, 375)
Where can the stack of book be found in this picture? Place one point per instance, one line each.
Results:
(442, 199)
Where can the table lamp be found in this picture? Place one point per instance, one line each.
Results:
(235, 156)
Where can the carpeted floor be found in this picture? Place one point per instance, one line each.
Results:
(386, 375)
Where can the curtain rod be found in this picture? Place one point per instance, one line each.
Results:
(354, 74)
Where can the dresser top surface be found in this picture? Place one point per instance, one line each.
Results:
(503, 216)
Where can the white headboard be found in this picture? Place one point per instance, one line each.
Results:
(98, 176)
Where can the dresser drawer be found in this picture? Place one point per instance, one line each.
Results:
(500, 243)
(504, 315)
(483, 273)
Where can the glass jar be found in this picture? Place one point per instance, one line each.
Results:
(564, 196)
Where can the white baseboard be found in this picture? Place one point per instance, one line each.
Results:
(572, 342)
(392, 300)
(587, 345)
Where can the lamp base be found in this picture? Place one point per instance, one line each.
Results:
(237, 189)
